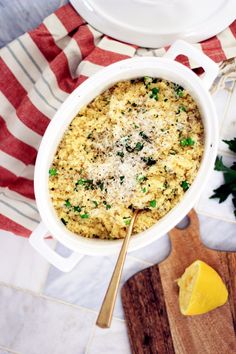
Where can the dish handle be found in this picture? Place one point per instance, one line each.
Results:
(37, 241)
(211, 69)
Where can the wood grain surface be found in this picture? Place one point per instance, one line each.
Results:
(150, 301)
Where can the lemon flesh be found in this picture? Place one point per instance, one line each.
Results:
(201, 289)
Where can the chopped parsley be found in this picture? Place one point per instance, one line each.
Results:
(90, 135)
(187, 142)
(122, 179)
(144, 190)
(77, 209)
(231, 144)
(139, 146)
(185, 185)
(154, 93)
(84, 216)
(100, 185)
(127, 220)
(141, 178)
(95, 203)
(144, 136)
(107, 205)
(153, 203)
(149, 161)
(120, 153)
(83, 181)
(52, 171)
(64, 221)
(182, 108)
(67, 203)
(178, 90)
(147, 81)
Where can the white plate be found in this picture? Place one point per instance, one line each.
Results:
(157, 23)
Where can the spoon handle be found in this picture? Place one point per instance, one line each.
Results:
(106, 311)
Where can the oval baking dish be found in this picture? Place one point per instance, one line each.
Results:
(166, 68)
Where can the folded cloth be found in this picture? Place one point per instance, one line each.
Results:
(37, 73)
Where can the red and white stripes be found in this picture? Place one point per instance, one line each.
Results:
(37, 72)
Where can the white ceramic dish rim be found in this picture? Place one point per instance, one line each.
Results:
(150, 37)
(127, 69)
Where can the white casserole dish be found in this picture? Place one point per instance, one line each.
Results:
(165, 68)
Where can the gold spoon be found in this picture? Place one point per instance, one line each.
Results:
(106, 311)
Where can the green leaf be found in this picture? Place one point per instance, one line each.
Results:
(187, 142)
(67, 203)
(153, 203)
(231, 144)
(178, 90)
(95, 203)
(122, 179)
(149, 161)
(52, 171)
(144, 136)
(139, 146)
(77, 209)
(219, 166)
(84, 216)
(154, 93)
(185, 185)
(222, 192)
(120, 153)
(141, 178)
(127, 220)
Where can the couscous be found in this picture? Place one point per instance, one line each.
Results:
(138, 145)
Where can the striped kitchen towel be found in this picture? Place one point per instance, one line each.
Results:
(37, 73)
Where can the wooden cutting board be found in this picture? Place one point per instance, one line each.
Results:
(150, 301)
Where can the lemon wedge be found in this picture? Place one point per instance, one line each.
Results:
(201, 289)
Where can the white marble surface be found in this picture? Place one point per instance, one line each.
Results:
(43, 311)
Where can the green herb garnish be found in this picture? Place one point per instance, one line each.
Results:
(144, 136)
(120, 153)
(67, 203)
(229, 187)
(52, 171)
(107, 205)
(127, 220)
(187, 142)
(100, 185)
(147, 81)
(95, 203)
(182, 108)
(231, 144)
(122, 179)
(153, 203)
(154, 93)
(84, 216)
(144, 190)
(141, 178)
(178, 90)
(77, 209)
(139, 146)
(149, 161)
(185, 185)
